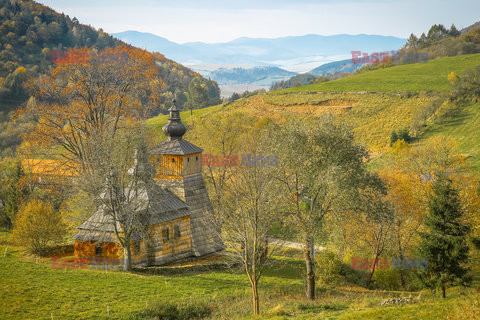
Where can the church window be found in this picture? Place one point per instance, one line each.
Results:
(166, 236)
(177, 231)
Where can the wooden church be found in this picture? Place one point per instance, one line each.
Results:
(177, 224)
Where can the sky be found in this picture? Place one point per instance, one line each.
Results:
(225, 20)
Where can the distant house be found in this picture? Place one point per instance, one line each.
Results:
(176, 222)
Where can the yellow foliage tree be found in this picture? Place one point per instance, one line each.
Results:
(38, 226)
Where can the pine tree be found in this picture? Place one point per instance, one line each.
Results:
(393, 137)
(454, 31)
(444, 243)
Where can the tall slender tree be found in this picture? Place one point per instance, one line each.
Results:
(323, 171)
(444, 243)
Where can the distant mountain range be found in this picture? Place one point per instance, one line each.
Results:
(295, 53)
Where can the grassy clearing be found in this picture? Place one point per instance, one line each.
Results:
(463, 127)
(372, 116)
(429, 76)
(187, 117)
(33, 290)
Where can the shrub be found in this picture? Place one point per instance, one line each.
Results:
(466, 89)
(328, 266)
(172, 311)
(358, 277)
(402, 134)
(387, 279)
(422, 115)
(393, 137)
(38, 226)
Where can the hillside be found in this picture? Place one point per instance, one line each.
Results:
(30, 34)
(256, 76)
(336, 66)
(429, 76)
(373, 103)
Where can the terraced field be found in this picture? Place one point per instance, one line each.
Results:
(372, 103)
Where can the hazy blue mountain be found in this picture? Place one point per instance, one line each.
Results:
(283, 52)
(153, 42)
(258, 75)
(336, 66)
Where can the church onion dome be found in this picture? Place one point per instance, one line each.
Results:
(174, 129)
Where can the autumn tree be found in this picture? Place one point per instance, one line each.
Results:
(38, 226)
(223, 149)
(85, 109)
(407, 198)
(11, 191)
(128, 178)
(376, 233)
(410, 172)
(323, 172)
(197, 94)
(250, 205)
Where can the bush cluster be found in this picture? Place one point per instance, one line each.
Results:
(172, 311)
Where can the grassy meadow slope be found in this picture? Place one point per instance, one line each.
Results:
(429, 76)
(464, 128)
(393, 97)
(36, 291)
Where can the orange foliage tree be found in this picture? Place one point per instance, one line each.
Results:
(84, 102)
(89, 112)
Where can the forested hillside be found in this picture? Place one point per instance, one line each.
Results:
(33, 36)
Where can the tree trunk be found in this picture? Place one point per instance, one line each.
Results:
(443, 291)
(310, 288)
(372, 270)
(129, 255)
(265, 251)
(255, 300)
(402, 273)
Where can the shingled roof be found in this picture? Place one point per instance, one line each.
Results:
(163, 206)
(176, 147)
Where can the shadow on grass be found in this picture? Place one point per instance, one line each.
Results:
(454, 118)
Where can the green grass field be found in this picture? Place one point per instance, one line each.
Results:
(429, 76)
(187, 117)
(32, 290)
(463, 127)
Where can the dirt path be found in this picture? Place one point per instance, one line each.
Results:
(290, 244)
